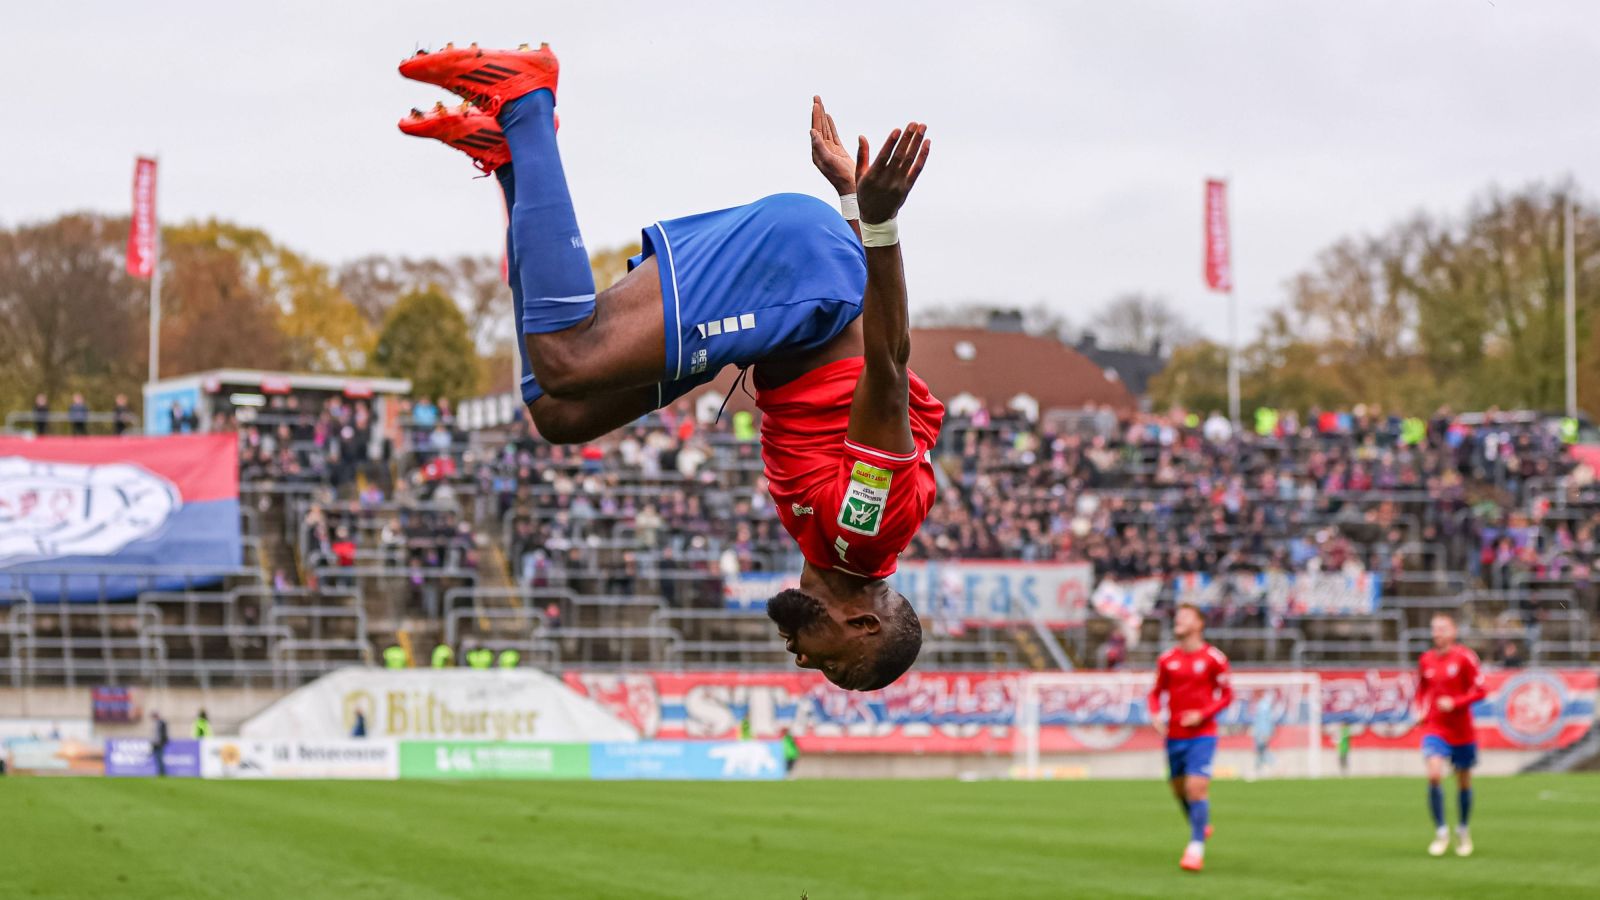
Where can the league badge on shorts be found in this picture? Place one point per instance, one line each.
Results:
(864, 499)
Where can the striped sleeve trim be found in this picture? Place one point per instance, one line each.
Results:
(891, 457)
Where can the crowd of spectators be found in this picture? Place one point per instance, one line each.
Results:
(1135, 495)
(1169, 494)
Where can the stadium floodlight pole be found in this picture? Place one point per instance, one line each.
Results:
(1572, 313)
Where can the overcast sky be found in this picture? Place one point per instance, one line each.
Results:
(1070, 139)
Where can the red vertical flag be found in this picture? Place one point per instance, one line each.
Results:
(1219, 265)
(142, 228)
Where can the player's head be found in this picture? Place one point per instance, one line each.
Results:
(1443, 628)
(1187, 620)
(864, 644)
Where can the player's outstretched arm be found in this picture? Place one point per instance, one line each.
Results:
(880, 409)
(829, 155)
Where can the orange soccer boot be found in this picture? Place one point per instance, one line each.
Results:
(488, 79)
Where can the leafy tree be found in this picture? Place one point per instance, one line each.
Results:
(1195, 378)
(217, 307)
(610, 265)
(425, 339)
(70, 319)
(323, 330)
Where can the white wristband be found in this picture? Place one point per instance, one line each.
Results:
(849, 208)
(883, 234)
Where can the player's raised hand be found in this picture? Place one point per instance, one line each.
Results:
(882, 185)
(827, 151)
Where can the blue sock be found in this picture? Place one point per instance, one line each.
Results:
(1199, 815)
(1465, 799)
(1436, 804)
(530, 388)
(551, 262)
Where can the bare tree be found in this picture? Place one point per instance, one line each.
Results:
(1141, 322)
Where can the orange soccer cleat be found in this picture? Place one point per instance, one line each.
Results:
(466, 128)
(1194, 857)
(486, 78)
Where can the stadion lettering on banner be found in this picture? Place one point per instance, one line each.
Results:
(972, 712)
(480, 759)
(135, 758)
(997, 592)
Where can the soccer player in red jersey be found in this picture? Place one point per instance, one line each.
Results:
(1194, 677)
(815, 303)
(1448, 683)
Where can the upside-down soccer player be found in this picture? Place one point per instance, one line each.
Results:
(782, 284)
(1194, 676)
(1448, 683)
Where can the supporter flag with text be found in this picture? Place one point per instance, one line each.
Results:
(1219, 257)
(102, 517)
(142, 224)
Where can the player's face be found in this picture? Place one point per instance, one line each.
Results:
(1444, 632)
(821, 639)
(1185, 623)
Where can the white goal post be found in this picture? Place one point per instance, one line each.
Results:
(1081, 712)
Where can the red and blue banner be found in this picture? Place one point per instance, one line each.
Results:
(972, 712)
(91, 518)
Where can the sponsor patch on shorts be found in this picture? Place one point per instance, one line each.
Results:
(864, 499)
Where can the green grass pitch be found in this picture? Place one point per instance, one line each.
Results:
(1356, 839)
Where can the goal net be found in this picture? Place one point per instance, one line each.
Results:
(1071, 724)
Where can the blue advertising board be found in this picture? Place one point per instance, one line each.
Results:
(688, 760)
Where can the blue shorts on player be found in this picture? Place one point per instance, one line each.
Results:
(1462, 756)
(778, 277)
(1191, 756)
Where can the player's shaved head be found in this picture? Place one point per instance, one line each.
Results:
(794, 610)
(899, 642)
(863, 643)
